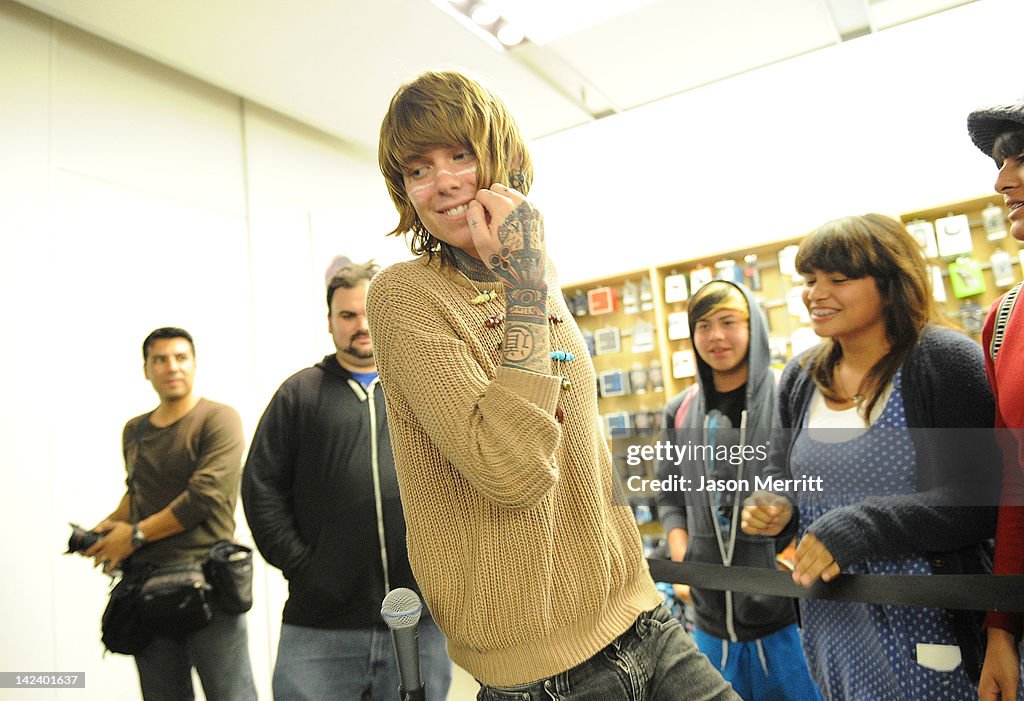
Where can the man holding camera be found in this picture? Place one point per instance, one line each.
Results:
(184, 462)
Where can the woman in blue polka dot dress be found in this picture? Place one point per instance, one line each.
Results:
(861, 409)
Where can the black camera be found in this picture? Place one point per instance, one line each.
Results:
(81, 539)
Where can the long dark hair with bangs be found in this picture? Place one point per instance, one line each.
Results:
(447, 108)
(871, 245)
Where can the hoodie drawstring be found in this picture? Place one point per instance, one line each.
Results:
(378, 501)
(761, 656)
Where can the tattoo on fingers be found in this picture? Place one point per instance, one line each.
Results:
(500, 260)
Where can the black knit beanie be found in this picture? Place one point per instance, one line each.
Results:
(987, 124)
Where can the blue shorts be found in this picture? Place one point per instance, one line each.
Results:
(772, 668)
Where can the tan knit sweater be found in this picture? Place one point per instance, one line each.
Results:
(527, 559)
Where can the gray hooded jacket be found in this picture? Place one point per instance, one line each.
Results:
(731, 616)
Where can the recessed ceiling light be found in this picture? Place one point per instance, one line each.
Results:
(510, 35)
(484, 20)
(484, 15)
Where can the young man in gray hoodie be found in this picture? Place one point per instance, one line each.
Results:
(752, 639)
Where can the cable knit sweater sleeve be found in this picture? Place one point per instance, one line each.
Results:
(495, 424)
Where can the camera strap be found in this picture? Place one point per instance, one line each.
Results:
(139, 428)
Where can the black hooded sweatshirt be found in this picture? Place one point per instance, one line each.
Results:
(321, 498)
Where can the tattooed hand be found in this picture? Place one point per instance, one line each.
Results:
(511, 244)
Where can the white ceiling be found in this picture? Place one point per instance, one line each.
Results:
(334, 64)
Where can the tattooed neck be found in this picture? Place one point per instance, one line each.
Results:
(471, 267)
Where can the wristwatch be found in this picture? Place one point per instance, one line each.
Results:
(138, 537)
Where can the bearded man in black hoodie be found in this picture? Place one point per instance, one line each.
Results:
(321, 497)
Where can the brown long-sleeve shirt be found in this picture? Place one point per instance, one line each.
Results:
(194, 465)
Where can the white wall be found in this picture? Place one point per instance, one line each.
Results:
(309, 200)
(875, 124)
(133, 197)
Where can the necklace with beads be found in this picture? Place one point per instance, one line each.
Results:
(482, 297)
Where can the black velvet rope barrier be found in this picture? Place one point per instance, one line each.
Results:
(971, 592)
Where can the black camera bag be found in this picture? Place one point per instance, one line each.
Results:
(229, 571)
(124, 631)
(174, 599)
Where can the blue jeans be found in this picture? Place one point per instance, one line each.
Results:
(219, 652)
(772, 668)
(655, 660)
(315, 664)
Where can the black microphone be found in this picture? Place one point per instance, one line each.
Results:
(401, 610)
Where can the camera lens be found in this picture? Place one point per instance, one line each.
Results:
(81, 539)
